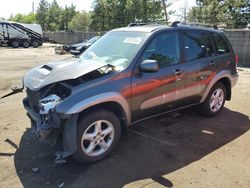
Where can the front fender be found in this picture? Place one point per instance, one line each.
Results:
(95, 100)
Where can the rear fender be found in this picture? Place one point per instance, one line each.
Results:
(220, 75)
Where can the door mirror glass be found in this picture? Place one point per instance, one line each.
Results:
(149, 65)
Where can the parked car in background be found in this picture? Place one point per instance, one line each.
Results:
(77, 49)
(130, 74)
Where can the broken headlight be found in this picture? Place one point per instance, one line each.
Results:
(49, 103)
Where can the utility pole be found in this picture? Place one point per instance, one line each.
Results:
(185, 11)
(145, 10)
(33, 7)
(165, 10)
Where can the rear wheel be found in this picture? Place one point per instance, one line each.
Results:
(15, 43)
(215, 100)
(98, 134)
(35, 44)
(26, 44)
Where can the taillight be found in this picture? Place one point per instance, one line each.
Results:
(236, 59)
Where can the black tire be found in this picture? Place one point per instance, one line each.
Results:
(206, 108)
(85, 125)
(15, 43)
(35, 44)
(25, 44)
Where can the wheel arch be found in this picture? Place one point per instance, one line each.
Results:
(226, 82)
(225, 78)
(111, 106)
(112, 101)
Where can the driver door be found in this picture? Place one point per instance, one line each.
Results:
(153, 93)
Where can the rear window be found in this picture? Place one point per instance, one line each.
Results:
(220, 44)
(197, 45)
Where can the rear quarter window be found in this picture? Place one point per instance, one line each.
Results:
(220, 44)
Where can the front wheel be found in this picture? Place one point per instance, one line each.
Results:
(98, 134)
(215, 100)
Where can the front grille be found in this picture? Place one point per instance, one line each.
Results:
(33, 98)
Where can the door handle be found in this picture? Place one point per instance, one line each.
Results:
(212, 63)
(178, 72)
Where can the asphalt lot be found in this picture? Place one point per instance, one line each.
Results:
(181, 149)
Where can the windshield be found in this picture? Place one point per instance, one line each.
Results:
(117, 48)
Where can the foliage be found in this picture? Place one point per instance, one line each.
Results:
(22, 18)
(53, 17)
(50, 16)
(80, 22)
(227, 13)
(42, 14)
(109, 14)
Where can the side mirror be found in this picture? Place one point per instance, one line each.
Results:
(149, 65)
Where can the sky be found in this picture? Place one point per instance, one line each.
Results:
(9, 7)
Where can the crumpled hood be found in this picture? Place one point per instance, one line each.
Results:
(58, 71)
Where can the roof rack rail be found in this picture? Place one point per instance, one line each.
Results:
(193, 24)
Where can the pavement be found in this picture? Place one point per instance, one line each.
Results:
(181, 149)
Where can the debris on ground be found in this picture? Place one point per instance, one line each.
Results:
(61, 185)
(47, 182)
(35, 170)
(60, 161)
(207, 132)
(61, 50)
(59, 158)
(203, 170)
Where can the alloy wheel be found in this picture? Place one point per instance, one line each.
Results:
(97, 138)
(216, 100)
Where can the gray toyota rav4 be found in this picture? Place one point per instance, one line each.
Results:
(128, 75)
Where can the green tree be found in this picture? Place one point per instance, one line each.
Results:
(53, 17)
(42, 14)
(110, 14)
(80, 22)
(229, 13)
(68, 14)
(23, 18)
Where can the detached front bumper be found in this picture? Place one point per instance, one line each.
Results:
(49, 132)
(46, 126)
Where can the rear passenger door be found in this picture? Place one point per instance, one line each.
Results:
(199, 57)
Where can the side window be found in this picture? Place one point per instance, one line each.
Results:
(197, 45)
(220, 44)
(164, 48)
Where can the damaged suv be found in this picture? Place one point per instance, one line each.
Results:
(128, 75)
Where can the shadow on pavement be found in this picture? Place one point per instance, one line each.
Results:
(152, 148)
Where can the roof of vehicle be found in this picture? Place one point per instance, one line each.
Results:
(143, 28)
(154, 27)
